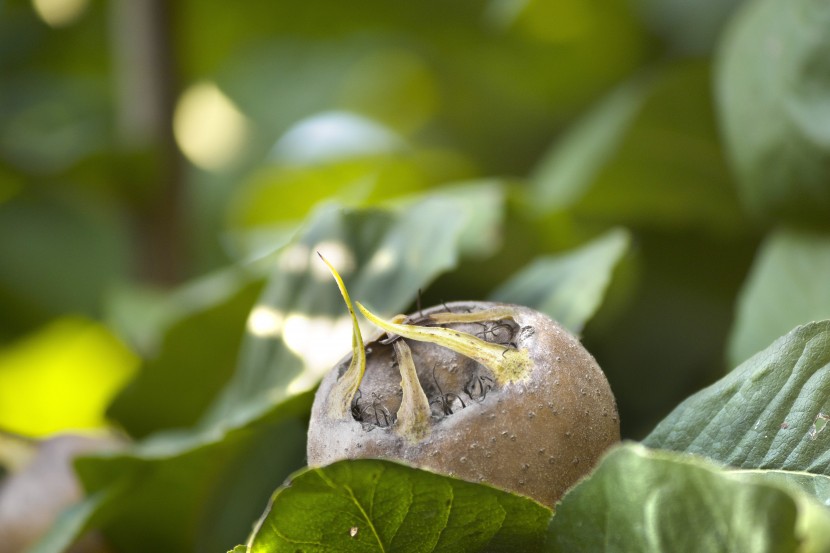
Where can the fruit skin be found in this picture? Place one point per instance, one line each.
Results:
(537, 436)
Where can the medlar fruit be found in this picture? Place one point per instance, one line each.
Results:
(486, 392)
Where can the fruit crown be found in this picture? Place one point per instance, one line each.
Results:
(508, 364)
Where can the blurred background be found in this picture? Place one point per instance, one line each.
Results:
(153, 152)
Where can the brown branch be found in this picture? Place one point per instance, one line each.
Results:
(146, 78)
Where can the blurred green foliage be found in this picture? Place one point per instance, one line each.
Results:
(161, 163)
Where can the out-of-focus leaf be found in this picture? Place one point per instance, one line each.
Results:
(48, 123)
(572, 165)
(568, 287)
(299, 328)
(640, 500)
(221, 486)
(789, 285)
(42, 237)
(373, 505)
(35, 495)
(667, 170)
(772, 82)
(200, 329)
(481, 210)
(62, 378)
(74, 522)
(335, 135)
(222, 482)
(771, 412)
(239, 549)
(691, 28)
(816, 485)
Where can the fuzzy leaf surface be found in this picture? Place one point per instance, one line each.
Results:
(770, 413)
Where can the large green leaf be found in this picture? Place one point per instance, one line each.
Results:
(788, 286)
(771, 412)
(373, 505)
(640, 500)
(772, 83)
(568, 287)
(648, 156)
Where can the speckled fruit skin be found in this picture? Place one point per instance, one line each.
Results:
(536, 437)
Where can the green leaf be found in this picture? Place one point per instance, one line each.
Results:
(239, 549)
(650, 156)
(194, 336)
(74, 522)
(39, 233)
(372, 505)
(772, 81)
(573, 163)
(788, 286)
(771, 412)
(639, 500)
(568, 287)
(299, 328)
(816, 485)
(688, 27)
(221, 484)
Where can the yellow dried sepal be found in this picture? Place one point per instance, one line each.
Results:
(344, 390)
(508, 364)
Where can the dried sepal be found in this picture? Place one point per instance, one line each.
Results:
(508, 364)
(492, 314)
(346, 388)
(414, 412)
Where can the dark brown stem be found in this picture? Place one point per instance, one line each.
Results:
(145, 70)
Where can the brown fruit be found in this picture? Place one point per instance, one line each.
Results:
(499, 394)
